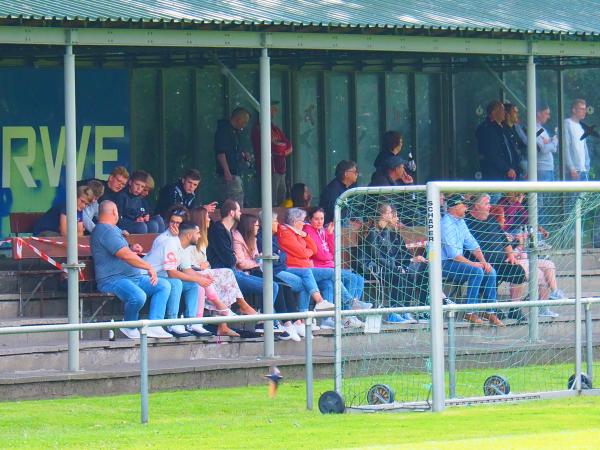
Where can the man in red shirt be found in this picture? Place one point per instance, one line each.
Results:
(281, 147)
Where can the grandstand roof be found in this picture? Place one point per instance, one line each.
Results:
(510, 16)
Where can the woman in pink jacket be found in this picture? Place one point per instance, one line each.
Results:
(324, 257)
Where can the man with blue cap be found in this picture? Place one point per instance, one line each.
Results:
(479, 275)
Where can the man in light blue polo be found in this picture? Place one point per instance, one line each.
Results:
(479, 275)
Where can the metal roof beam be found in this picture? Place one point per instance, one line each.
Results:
(293, 40)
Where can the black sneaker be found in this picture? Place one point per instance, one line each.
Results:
(517, 315)
(284, 336)
(448, 301)
(198, 330)
(247, 334)
(179, 331)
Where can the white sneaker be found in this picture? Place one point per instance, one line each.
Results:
(353, 322)
(291, 330)
(300, 329)
(315, 325)
(159, 333)
(324, 306)
(131, 333)
(547, 312)
(357, 304)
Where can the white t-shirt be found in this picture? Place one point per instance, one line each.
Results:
(167, 254)
(576, 159)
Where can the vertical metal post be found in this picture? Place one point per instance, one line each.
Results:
(435, 288)
(337, 339)
(578, 260)
(532, 198)
(266, 198)
(71, 192)
(309, 364)
(144, 373)
(589, 341)
(451, 355)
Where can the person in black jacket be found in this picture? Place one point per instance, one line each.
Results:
(346, 175)
(392, 172)
(117, 180)
(498, 160)
(183, 192)
(230, 156)
(134, 216)
(403, 276)
(220, 252)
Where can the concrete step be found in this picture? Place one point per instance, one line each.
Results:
(163, 375)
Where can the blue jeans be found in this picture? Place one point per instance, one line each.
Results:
(189, 290)
(476, 278)
(570, 203)
(251, 285)
(354, 283)
(156, 224)
(301, 281)
(544, 200)
(325, 278)
(133, 293)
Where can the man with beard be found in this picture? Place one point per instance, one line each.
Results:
(171, 262)
(220, 252)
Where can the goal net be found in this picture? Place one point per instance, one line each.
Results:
(504, 350)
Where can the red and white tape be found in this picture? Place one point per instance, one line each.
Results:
(19, 251)
(417, 244)
(48, 241)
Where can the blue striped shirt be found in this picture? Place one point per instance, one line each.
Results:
(456, 237)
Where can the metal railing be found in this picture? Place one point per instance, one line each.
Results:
(142, 326)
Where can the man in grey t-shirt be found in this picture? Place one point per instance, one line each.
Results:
(120, 271)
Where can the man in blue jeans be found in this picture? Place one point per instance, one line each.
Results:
(171, 262)
(479, 275)
(120, 271)
(220, 252)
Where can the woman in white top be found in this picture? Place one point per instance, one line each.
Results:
(226, 287)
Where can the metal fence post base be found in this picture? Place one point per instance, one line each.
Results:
(144, 373)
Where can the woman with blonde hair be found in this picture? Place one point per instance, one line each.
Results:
(226, 287)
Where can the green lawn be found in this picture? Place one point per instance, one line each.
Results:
(248, 418)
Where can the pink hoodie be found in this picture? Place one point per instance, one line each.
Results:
(325, 246)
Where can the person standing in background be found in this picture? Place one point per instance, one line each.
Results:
(229, 155)
(281, 148)
(576, 154)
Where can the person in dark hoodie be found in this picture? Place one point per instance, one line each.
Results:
(183, 192)
(498, 160)
(117, 180)
(134, 216)
(392, 146)
(230, 155)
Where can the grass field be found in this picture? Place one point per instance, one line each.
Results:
(248, 418)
